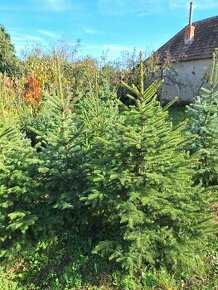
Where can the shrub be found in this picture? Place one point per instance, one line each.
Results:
(8, 60)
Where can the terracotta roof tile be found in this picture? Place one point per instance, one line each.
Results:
(202, 46)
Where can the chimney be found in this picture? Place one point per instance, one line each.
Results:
(190, 29)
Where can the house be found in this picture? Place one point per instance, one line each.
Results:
(190, 53)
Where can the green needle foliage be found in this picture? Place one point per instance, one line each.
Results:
(40, 185)
(145, 209)
(91, 174)
(61, 153)
(18, 194)
(203, 128)
(98, 110)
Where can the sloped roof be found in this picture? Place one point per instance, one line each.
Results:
(201, 47)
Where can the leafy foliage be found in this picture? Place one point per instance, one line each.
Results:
(8, 61)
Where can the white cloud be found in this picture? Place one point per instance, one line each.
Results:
(197, 4)
(27, 38)
(110, 47)
(90, 31)
(22, 41)
(150, 7)
(49, 33)
(42, 5)
(110, 50)
(139, 7)
(206, 4)
(58, 5)
(116, 7)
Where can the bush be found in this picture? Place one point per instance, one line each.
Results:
(8, 60)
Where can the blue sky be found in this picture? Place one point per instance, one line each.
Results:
(112, 26)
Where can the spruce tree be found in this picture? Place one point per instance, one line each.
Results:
(40, 183)
(146, 211)
(203, 128)
(60, 149)
(98, 110)
(18, 190)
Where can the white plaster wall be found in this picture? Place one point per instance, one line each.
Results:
(185, 80)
